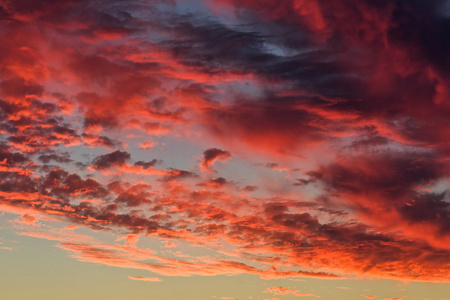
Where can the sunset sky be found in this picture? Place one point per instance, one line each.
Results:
(224, 149)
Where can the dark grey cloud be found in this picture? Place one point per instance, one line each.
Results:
(107, 161)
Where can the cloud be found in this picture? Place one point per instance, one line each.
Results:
(92, 140)
(134, 196)
(215, 182)
(271, 230)
(62, 184)
(113, 159)
(27, 219)
(131, 240)
(147, 145)
(278, 290)
(151, 279)
(60, 158)
(210, 156)
(122, 257)
(170, 245)
(147, 164)
(393, 179)
(71, 227)
(266, 230)
(175, 174)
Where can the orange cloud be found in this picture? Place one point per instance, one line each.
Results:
(71, 227)
(27, 219)
(278, 290)
(151, 279)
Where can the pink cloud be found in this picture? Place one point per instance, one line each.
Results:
(147, 145)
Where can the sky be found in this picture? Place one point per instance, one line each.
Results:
(225, 149)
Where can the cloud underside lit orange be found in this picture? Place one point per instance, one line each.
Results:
(315, 140)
